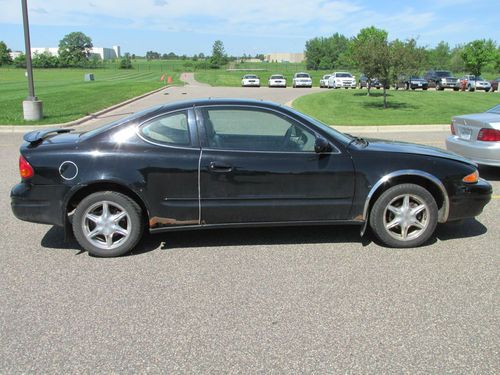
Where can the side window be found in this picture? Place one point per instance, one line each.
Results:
(257, 130)
(171, 129)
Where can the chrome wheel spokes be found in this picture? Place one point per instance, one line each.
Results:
(406, 217)
(106, 225)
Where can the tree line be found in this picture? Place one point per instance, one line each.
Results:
(74, 51)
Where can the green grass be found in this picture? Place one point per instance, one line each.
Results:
(353, 107)
(66, 96)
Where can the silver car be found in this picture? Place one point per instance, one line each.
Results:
(477, 136)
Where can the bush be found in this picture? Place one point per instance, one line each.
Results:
(125, 63)
(45, 60)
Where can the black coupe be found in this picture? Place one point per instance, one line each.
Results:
(220, 163)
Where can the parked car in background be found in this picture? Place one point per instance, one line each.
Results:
(228, 163)
(411, 82)
(477, 136)
(277, 80)
(341, 79)
(323, 82)
(302, 79)
(494, 84)
(250, 80)
(374, 83)
(442, 79)
(471, 82)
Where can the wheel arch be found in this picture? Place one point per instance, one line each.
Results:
(77, 195)
(421, 178)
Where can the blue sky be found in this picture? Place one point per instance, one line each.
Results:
(250, 26)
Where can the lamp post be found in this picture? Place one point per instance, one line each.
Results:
(32, 107)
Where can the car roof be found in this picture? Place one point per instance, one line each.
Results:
(217, 101)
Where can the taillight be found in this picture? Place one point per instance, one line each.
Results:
(25, 169)
(452, 128)
(488, 135)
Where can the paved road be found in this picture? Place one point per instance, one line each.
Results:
(294, 300)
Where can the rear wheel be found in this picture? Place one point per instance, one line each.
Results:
(108, 224)
(404, 216)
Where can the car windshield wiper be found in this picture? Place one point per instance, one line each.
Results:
(358, 140)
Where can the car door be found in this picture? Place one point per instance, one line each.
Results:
(171, 175)
(259, 165)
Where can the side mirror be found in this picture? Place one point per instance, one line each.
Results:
(322, 145)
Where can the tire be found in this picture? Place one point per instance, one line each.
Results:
(109, 241)
(397, 197)
(425, 89)
(486, 90)
(439, 88)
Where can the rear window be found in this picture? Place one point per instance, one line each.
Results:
(250, 77)
(495, 109)
(303, 75)
(276, 77)
(171, 129)
(443, 74)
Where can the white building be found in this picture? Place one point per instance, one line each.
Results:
(103, 52)
(285, 57)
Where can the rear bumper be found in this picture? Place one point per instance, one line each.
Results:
(470, 200)
(38, 203)
(484, 153)
(303, 84)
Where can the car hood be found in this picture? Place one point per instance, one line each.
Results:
(412, 148)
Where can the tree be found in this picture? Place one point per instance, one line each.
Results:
(379, 58)
(477, 54)
(5, 58)
(126, 63)
(20, 61)
(370, 49)
(327, 53)
(74, 49)
(219, 56)
(440, 56)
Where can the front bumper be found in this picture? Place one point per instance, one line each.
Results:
(484, 153)
(303, 84)
(469, 200)
(38, 203)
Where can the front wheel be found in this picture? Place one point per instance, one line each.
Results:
(108, 224)
(404, 216)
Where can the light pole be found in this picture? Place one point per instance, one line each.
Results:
(32, 107)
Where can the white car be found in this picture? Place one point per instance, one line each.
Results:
(475, 83)
(250, 80)
(302, 80)
(277, 80)
(341, 79)
(323, 82)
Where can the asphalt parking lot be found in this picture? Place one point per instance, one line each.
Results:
(282, 300)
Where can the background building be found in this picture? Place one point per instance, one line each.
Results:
(285, 57)
(103, 52)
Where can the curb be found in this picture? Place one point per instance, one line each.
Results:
(27, 128)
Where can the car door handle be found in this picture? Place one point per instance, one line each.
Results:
(221, 168)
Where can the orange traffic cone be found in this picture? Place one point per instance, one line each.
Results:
(169, 80)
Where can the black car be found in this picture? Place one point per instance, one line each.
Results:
(442, 79)
(220, 163)
(411, 82)
(374, 83)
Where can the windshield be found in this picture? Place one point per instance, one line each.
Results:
(303, 75)
(479, 79)
(331, 131)
(495, 109)
(443, 74)
(326, 77)
(276, 77)
(344, 75)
